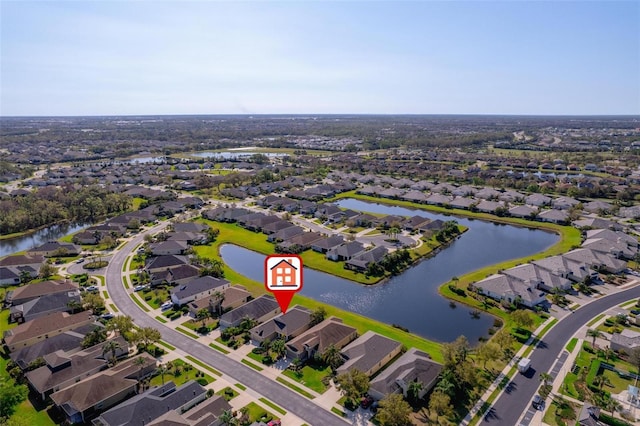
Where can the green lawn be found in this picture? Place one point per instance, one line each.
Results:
(188, 372)
(257, 413)
(310, 376)
(227, 393)
(294, 387)
(251, 364)
(272, 405)
(572, 344)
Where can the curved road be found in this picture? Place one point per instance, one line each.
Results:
(284, 397)
(510, 406)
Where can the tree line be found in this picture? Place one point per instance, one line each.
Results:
(48, 206)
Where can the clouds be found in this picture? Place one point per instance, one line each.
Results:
(76, 58)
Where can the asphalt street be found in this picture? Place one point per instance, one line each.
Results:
(282, 396)
(508, 408)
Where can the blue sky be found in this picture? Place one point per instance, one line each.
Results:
(389, 57)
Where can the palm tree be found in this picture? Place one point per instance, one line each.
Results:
(111, 346)
(266, 346)
(332, 357)
(414, 389)
(140, 362)
(227, 418)
(594, 334)
(162, 370)
(218, 296)
(248, 323)
(203, 315)
(545, 378)
(608, 353)
(601, 381)
(279, 348)
(73, 305)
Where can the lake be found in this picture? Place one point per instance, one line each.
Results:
(37, 238)
(233, 154)
(411, 299)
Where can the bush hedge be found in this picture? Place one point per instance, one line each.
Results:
(612, 421)
(594, 369)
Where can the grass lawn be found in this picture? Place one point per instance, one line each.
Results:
(188, 372)
(295, 388)
(227, 393)
(553, 415)
(310, 376)
(256, 413)
(159, 295)
(572, 344)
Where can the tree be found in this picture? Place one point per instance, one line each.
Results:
(202, 315)
(11, 394)
(601, 381)
(140, 362)
(147, 336)
(74, 305)
(162, 370)
(332, 357)
(279, 348)
(111, 346)
(414, 389)
(318, 315)
(97, 335)
(522, 318)
(353, 384)
(505, 340)
(121, 324)
(47, 270)
(594, 334)
(93, 301)
(248, 323)
(394, 411)
(218, 297)
(488, 351)
(440, 404)
(455, 352)
(545, 378)
(228, 419)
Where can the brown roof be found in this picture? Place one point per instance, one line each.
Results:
(321, 336)
(87, 393)
(31, 291)
(231, 295)
(43, 325)
(21, 259)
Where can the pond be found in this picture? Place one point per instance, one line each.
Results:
(37, 238)
(411, 299)
(234, 154)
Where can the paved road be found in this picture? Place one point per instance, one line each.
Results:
(284, 397)
(508, 408)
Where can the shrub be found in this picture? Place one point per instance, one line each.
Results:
(202, 381)
(612, 421)
(457, 290)
(593, 372)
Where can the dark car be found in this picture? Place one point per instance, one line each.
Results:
(366, 401)
(537, 402)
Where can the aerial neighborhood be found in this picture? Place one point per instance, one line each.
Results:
(134, 287)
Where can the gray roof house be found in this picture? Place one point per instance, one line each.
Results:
(369, 353)
(554, 216)
(44, 305)
(206, 413)
(362, 261)
(618, 249)
(319, 337)
(627, 340)
(327, 243)
(412, 366)
(540, 277)
(345, 251)
(286, 326)
(504, 287)
(613, 236)
(538, 200)
(589, 416)
(261, 309)
(197, 289)
(566, 268)
(285, 234)
(596, 260)
(33, 291)
(162, 263)
(145, 407)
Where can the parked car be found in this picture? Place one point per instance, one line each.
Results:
(80, 260)
(537, 402)
(140, 287)
(166, 305)
(92, 288)
(366, 401)
(274, 423)
(107, 316)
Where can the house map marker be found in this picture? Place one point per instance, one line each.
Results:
(283, 277)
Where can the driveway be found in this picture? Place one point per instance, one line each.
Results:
(282, 396)
(510, 406)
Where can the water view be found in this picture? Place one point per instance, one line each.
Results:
(411, 299)
(234, 154)
(37, 238)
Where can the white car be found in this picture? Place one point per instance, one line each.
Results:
(139, 287)
(166, 305)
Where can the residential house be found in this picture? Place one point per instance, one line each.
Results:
(41, 328)
(596, 223)
(554, 216)
(225, 214)
(276, 226)
(486, 206)
(62, 369)
(198, 288)
(462, 202)
(412, 366)
(439, 199)
(261, 309)
(618, 249)
(69, 342)
(538, 277)
(414, 196)
(589, 416)
(318, 338)
(523, 211)
(164, 262)
(369, 353)
(32, 291)
(285, 326)
(175, 276)
(597, 260)
(416, 223)
(232, 297)
(207, 413)
(169, 247)
(147, 406)
(191, 238)
(632, 212)
(55, 248)
(329, 212)
(564, 203)
(613, 236)
(304, 241)
(345, 251)
(512, 290)
(327, 243)
(362, 261)
(627, 340)
(538, 200)
(566, 268)
(194, 227)
(285, 234)
(597, 207)
(83, 400)
(45, 305)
